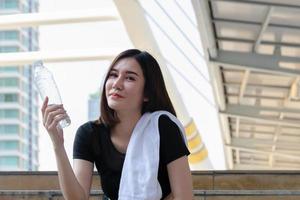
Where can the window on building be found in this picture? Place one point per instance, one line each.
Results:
(9, 35)
(9, 161)
(6, 49)
(9, 98)
(9, 129)
(9, 4)
(9, 69)
(25, 118)
(9, 145)
(9, 82)
(26, 103)
(25, 87)
(9, 113)
(24, 149)
(26, 71)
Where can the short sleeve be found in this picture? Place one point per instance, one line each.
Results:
(172, 145)
(82, 147)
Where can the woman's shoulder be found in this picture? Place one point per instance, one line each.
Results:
(170, 127)
(91, 127)
(166, 122)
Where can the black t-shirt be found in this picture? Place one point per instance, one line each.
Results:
(93, 143)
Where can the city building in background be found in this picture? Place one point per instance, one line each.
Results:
(94, 106)
(18, 96)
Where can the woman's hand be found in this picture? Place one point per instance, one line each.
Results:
(52, 114)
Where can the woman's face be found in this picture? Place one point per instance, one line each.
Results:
(124, 87)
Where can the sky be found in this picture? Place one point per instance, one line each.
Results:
(77, 80)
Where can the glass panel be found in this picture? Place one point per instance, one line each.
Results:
(27, 134)
(25, 87)
(9, 114)
(9, 160)
(11, 4)
(9, 97)
(26, 103)
(9, 69)
(26, 118)
(9, 145)
(6, 49)
(9, 82)
(9, 129)
(12, 82)
(11, 35)
(26, 166)
(25, 41)
(26, 71)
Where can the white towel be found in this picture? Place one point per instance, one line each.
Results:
(140, 169)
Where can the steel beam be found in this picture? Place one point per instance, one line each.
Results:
(205, 27)
(257, 62)
(262, 3)
(253, 150)
(253, 113)
(264, 87)
(243, 22)
(24, 58)
(255, 110)
(244, 85)
(249, 41)
(38, 19)
(263, 29)
(256, 97)
(255, 143)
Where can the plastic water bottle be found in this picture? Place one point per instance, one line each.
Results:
(46, 85)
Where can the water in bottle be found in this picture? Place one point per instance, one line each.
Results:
(46, 85)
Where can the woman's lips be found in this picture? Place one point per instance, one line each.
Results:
(116, 96)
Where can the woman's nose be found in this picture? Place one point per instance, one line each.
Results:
(118, 83)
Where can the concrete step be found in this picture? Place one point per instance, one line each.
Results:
(208, 185)
(199, 194)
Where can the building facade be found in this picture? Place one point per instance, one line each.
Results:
(94, 106)
(18, 96)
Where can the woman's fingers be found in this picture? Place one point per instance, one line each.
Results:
(49, 109)
(56, 120)
(51, 112)
(45, 103)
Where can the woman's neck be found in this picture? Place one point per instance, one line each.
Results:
(124, 128)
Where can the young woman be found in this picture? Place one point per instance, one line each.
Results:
(133, 87)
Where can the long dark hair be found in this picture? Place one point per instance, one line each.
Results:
(154, 90)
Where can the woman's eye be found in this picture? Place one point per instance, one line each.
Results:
(130, 78)
(113, 75)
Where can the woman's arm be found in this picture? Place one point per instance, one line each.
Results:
(180, 179)
(73, 185)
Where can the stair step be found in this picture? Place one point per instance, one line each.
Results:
(208, 185)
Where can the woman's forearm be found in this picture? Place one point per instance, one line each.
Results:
(68, 182)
